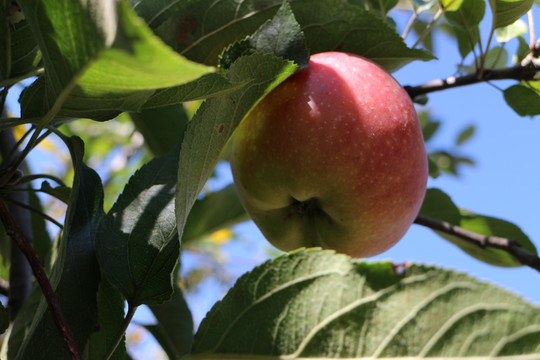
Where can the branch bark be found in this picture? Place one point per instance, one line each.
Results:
(20, 273)
(511, 246)
(13, 230)
(526, 71)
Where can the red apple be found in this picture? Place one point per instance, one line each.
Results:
(333, 157)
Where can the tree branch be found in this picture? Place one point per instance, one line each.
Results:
(13, 230)
(511, 246)
(20, 273)
(525, 71)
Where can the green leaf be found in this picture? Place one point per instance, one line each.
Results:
(505, 12)
(40, 235)
(120, 72)
(365, 310)
(23, 54)
(60, 192)
(280, 36)
(507, 33)
(74, 264)
(469, 15)
(451, 5)
(205, 87)
(202, 30)
(466, 41)
(336, 25)
(70, 34)
(17, 333)
(490, 226)
(216, 211)
(438, 205)
(174, 328)
(429, 126)
(465, 24)
(465, 134)
(384, 6)
(110, 316)
(496, 58)
(162, 128)
(216, 119)
(448, 162)
(524, 99)
(137, 243)
(522, 51)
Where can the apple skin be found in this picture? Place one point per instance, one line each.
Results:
(333, 157)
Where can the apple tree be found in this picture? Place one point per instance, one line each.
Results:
(183, 75)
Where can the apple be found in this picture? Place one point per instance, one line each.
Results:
(333, 157)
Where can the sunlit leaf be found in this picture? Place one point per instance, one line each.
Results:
(511, 31)
(137, 244)
(451, 5)
(505, 12)
(121, 69)
(438, 205)
(314, 304)
(216, 119)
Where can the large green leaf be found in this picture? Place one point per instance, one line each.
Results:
(74, 264)
(316, 304)
(137, 244)
(115, 66)
(438, 205)
(216, 119)
(174, 328)
(202, 30)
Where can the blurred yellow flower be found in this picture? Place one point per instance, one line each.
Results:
(221, 236)
(46, 144)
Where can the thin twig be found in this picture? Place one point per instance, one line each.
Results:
(410, 24)
(13, 230)
(518, 72)
(426, 31)
(511, 246)
(34, 210)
